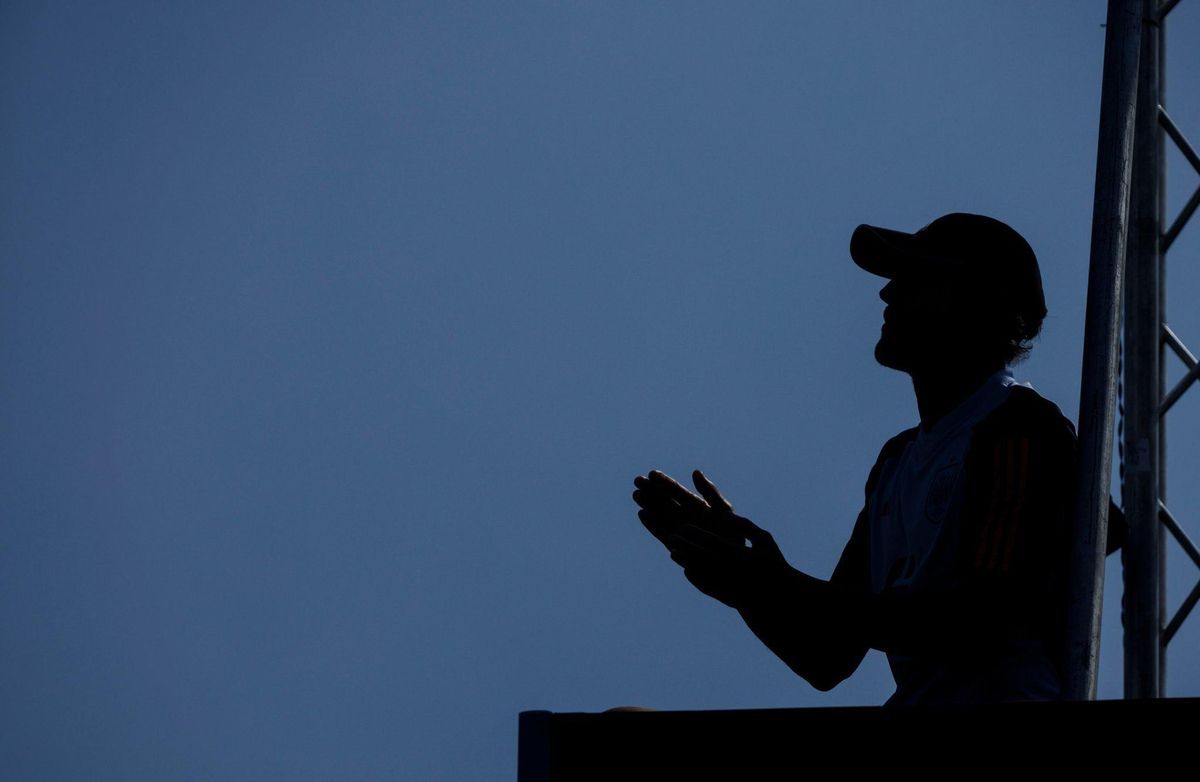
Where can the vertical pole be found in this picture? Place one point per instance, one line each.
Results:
(1141, 616)
(1098, 392)
(1160, 315)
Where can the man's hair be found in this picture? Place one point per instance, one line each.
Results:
(1014, 334)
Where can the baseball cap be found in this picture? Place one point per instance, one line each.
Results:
(992, 262)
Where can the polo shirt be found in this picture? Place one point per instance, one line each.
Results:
(978, 505)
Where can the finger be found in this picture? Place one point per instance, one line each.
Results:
(655, 492)
(710, 493)
(692, 560)
(680, 493)
(688, 554)
(660, 501)
(692, 547)
(656, 500)
(659, 526)
(661, 519)
(708, 541)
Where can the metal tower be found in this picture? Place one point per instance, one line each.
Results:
(1130, 240)
(1148, 624)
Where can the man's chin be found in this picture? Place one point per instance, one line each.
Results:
(888, 356)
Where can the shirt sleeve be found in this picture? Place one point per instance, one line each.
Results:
(853, 570)
(1014, 551)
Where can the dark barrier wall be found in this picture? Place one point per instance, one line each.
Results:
(963, 742)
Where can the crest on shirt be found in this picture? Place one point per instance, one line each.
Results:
(941, 491)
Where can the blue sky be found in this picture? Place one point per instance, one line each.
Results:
(334, 334)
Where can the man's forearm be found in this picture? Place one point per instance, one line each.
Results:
(810, 625)
(823, 630)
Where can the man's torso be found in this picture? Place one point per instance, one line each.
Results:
(917, 536)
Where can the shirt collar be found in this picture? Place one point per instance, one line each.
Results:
(981, 401)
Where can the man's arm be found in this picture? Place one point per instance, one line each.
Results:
(809, 623)
(1009, 578)
(777, 601)
(819, 628)
(1014, 536)
(816, 627)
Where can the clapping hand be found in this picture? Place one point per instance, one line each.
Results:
(708, 540)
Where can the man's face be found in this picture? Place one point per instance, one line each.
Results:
(926, 322)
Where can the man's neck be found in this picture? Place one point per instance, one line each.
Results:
(939, 391)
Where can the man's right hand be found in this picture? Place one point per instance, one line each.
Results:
(709, 541)
(802, 619)
(667, 506)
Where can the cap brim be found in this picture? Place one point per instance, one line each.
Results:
(883, 251)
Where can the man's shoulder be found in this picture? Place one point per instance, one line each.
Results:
(896, 444)
(1025, 412)
(892, 449)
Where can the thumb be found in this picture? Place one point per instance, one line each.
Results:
(759, 538)
(752, 531)
(709, 492)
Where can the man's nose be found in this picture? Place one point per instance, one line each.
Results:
(888, 292)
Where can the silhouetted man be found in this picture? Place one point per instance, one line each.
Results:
(956, 566)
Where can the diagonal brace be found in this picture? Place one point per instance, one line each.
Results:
(1167, 124)
(1176, 344)
(1184, 383)
(1176, 135)
(1189, 547)
(1168, 520)
(1184, 215)
(1188, 604)
(1165, 9)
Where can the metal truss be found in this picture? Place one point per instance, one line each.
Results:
(1148, 343)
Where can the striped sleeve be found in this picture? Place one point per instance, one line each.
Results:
(1008, 499)
(1017, 516)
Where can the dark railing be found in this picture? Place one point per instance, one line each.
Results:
(826, 743)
